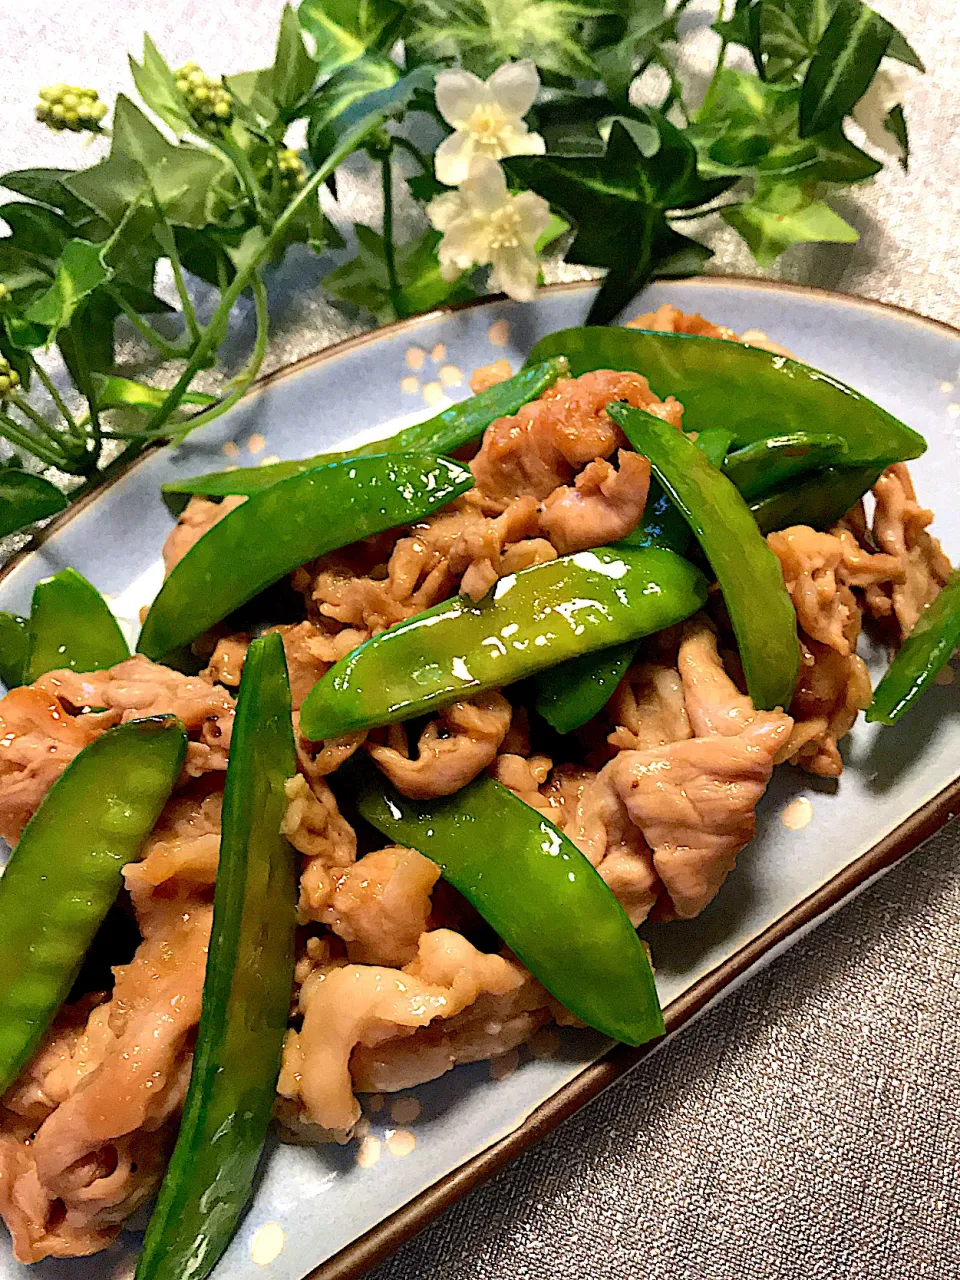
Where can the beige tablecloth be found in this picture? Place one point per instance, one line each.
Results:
(809, 1127)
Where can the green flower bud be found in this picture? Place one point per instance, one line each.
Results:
(9, 379)
(293, 172)
(206, 99)
(65, 106)
(5, 294)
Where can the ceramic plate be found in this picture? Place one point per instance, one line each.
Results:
(818, 842)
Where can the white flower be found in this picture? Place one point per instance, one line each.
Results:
(487, 117)
(886, 91)
(483, 223)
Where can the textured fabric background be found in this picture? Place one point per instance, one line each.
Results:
(808, 1128)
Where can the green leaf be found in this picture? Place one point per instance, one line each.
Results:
(124, 393)
(36, 230)
(570, 124)
(294, 71)
(789, 33)
(896, 125)
(782, 214)
(86, 344)
(349, 86)
(14, 648)
(481, 36)
(80, 270)
(48, 186)
(839, 160)
(903, 52)
(21, 270)
(845, 62)
(363, 281)
(372, 110)
(25, 498)
(347, 29)
(157, 86)
(186, 181)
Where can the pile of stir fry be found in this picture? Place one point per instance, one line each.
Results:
(415, 737)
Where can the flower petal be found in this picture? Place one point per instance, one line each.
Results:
(466, 242)
(486, 188)
(458, 92)
(444, 210)
(454, 158)
(516, 271)
(533, 213)
(514, 85)
(519, 142)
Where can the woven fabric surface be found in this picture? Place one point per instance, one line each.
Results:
(809, 1127)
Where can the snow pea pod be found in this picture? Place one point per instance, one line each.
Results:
(65, 872)
(71, 626)
(765, 465)
(246, 991)
(573, 693)
(924, 654)
(753, 392)
(446, 431)
(282, 527)
(14, 647)
(748, 572)
(537, 890)
(529, 620)
(819, 500)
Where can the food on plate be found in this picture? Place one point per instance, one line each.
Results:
(523, 702)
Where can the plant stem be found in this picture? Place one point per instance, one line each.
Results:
(417, 154)
(169, 245)
(389, 248)
(39, 421)
(721, 57)
(166, 349)
(248, 179)
(22, 439)
(703, 213)
(243, 277)
(57, 398)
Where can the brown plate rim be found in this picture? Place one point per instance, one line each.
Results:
(381, 1241)
(358, 340)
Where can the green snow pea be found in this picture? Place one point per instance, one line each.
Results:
(766, 465)
(246, 991)
(282, 527)
(748, 572)
(537, 890)
(14, 647)
(569, 695)
(446, 431)
(64, 874)
(529, 620)
(753, 392)
(820, 499)
(71, 626)
(925, 653)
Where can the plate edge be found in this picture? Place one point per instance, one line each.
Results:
(412, 323)
(378, 1244)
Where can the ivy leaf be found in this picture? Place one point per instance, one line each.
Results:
(185, 181)
(36, 230)
(370, 110)
(903, 52)
(157, 86)
(895, 124)
(347, 29)
(782, 214)
(363, 281)
(569, 123)
(789, 33)
(619, 202)
(86, 344)
(343, 90)
(293, 72)
(840, 160)
(25, 498)
(80, 270)
(846, 60)
(48, 186)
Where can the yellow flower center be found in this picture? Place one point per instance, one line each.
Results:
(505, 229)
(488, 123)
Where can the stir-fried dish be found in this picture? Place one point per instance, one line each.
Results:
(415, 738)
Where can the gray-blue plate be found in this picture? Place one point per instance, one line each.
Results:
(899, 784)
